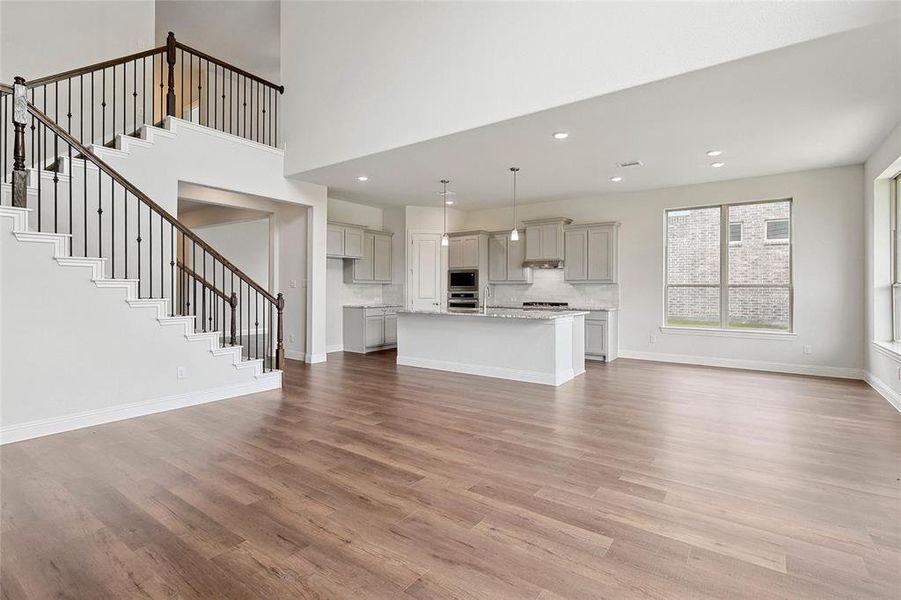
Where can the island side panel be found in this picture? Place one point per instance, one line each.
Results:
(578, 352)
(518, 349)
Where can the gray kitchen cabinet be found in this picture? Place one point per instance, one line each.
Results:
(590, 254)
(463, 251)
(505, 259)
(381, 258)
(390, 329)
(334, 241)
(601, 335)
(374, 264)
(544, 239)
(371, 328)
(353, 242)
(343, 241)
(575, 258)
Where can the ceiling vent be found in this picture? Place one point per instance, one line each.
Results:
(631, 163)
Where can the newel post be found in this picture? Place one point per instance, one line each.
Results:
(170, 60)
(20, 116)
(279, 348)
(233, 302)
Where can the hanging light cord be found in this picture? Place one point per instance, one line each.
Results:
(445, 182)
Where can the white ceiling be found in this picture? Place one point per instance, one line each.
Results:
(821, 103)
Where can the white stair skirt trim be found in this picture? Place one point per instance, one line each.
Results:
(751, 365)
(884, 390)
(496, 372)
(34, 429)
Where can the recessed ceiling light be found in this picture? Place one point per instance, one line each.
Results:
(616, 179)
(717, 165)
(362, 178)
(712, 153)
(448, 202)
(561, 135)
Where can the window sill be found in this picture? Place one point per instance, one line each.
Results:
(760, 335)
(889, 349)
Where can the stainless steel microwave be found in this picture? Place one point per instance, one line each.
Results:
(462, 280)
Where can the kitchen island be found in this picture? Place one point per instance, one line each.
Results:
(546, 347)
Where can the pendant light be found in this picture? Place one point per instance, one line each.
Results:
(444, 239)
(514, 235)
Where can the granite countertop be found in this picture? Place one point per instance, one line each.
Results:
(568, 308)
(372, 306)
(503, 313)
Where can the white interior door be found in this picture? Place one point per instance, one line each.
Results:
(425, 271)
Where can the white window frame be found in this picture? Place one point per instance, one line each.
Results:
(766, 232)
(724, 273)
(895, 248)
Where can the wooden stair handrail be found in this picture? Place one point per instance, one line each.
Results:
(95, 67)
(279, 88)
(200, 279)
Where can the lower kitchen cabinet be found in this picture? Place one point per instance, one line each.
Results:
(601, 335)
(367, 329)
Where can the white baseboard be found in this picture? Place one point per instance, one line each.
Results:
(884, 390)
(315, 358)
(497, 372)
(295, 355)
(90, 418)
(334, 348)
(752, 365)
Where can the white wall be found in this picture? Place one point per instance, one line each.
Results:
(41, 38)
(882, 365)
(244, 243)
(211, 26)
(828, 281)
(428, 69)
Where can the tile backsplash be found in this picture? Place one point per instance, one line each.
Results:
(548, 285)
(393, 294)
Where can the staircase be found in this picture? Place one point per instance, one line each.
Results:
(58, 191)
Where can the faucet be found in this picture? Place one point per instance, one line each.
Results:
(485, 299)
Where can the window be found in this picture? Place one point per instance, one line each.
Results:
(896, 258)
(777, 230)
(744, 246)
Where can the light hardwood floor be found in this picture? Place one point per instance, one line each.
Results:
(364, 480)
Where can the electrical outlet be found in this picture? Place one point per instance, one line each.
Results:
(652, 339)
(291, 338)
(181, 373)
(807, 349)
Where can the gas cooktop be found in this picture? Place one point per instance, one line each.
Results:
(556, 305)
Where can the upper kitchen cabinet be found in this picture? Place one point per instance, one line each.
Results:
(591, 253)
(544, 239)
(467, 250)
(505, 259)
(374, 264)
(344, 241)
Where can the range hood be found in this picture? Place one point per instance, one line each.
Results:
(544, 263)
